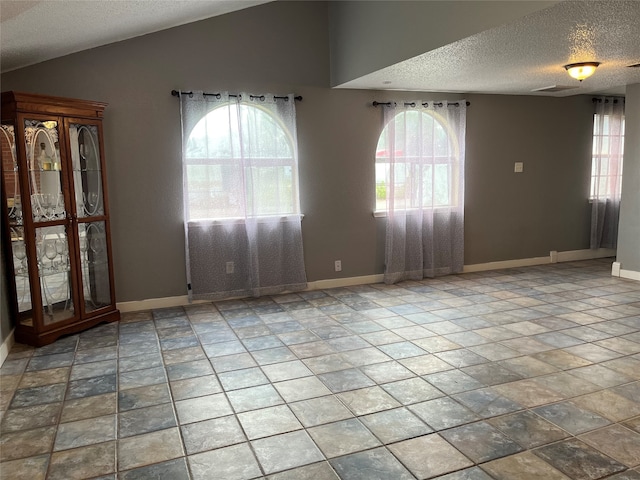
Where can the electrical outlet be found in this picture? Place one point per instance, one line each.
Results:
(230, 267)
(518, 167)
(338, 265)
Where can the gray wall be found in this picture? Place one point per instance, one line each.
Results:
(283, 47)
(519, 215)
(367, 36)
(629, 232)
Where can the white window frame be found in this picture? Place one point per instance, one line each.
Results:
(614, 182)
(257, 162)
(452, 161)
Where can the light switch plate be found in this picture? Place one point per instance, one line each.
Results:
(518, 167)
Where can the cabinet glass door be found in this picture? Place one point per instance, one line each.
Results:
(52, 251)
(45, 170)
(49, 214)
(94, 263)
(87, 179)
(10, 180)
(11, 187)
(21, 270)
(89, 204)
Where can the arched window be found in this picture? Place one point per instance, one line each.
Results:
(417, 162)
(240, 161)
(243, 229)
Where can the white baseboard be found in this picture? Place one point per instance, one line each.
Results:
(630, 274)
(182, 300)
(568, 256)
(151, 303)
(5, 348)
(554, 256)
(586, 254)
(618, 271)
(344, 282)
(520, 262)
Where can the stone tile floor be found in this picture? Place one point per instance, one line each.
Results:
(530, 373)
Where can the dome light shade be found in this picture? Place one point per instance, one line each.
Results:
(581, 70)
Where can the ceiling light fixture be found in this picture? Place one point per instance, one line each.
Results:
(581, 70)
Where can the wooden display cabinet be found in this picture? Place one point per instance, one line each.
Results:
(56, 234)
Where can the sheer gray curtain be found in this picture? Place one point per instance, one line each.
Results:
(606, 171)
(423, 148)
(243, 229)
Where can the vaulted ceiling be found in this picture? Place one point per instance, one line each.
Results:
(518, 57)
(34, 31)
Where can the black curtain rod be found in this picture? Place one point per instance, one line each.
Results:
(413, 104)
(176, 93)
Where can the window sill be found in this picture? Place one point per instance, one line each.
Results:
(241, 220)
(384, 214)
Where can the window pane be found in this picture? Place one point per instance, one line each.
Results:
(270, 190)
(220, 184)
(215, 191)
(442, 185)
(413, 134)
(420, 148)
(415, 185)
(271, 139)
(427, 185)
(602, 186)
(441, 144)
(427, 136)
(606, 164)
(211, 137)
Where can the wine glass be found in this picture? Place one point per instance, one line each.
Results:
(20, 252)
(17, 209)
(50, 251)
(85, 205)
(59, 207)
(35, 205)
(83, 248)
(92, 199)
(45, 202)
(61, 249)
(97, 246)
(51, 204)
(40, 254)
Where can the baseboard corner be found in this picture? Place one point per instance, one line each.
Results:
(5, 348)
(615, 269)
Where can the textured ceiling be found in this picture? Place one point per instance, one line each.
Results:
(516, 58)
(35, 31)
(529, 54)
